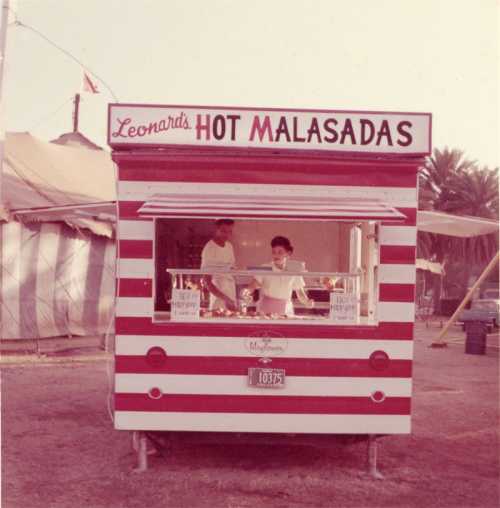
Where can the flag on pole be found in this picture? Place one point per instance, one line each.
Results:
(88, 84)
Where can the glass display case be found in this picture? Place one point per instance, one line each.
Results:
(333, 297)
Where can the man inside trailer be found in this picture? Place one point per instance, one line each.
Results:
(218, 254)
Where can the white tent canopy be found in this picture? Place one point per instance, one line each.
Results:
(48, 182)
(462, 226)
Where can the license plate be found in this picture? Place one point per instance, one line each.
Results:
(266, 378)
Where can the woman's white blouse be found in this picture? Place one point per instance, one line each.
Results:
(279, 287)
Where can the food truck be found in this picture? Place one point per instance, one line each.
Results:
(341, 188)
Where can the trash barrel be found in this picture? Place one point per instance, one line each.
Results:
(475, 339)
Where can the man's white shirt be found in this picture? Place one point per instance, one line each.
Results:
(214, 256)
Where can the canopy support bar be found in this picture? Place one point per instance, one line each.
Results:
(439, 342)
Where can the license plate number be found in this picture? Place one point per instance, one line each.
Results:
(266, 378)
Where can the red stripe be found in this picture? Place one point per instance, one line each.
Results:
(133, 249)
(397, 292)
(135, 287)
(397, 254)
(238, 366)
(129, 209)
(213, 169)
(144, 326)
(411, 218)
(261, 404)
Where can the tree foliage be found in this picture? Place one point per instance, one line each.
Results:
(449, 182)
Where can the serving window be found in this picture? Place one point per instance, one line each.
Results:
(333, 263)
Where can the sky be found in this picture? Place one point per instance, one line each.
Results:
(438, 56)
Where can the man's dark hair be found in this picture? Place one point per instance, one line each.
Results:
(224, 222)
(282, 241)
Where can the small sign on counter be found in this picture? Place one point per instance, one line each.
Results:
(185, 305)
(344, 308)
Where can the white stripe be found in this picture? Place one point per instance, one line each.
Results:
(394, 312)
(142, 191)
(11, 277)
(238, 385)
(236, 201)
(135, 268)
(398, 235)
(135, 230)
(251, 422)
(134, 307)
(80, 257)
(45, 279)
(240, 346)
(158, 211)
(397, 274)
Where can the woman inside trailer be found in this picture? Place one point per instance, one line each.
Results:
(276, 291)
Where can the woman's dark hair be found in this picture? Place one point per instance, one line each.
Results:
(282, 241)
(224, 222)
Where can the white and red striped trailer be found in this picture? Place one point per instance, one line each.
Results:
(199, 162)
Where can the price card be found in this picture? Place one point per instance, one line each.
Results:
(344, 308)
(185, 305)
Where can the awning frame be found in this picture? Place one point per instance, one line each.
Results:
(197, 206)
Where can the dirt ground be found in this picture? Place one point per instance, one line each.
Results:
(60, 449)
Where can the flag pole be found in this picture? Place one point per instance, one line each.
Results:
(76, 102)
(3, 40)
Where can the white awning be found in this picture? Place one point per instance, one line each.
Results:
(454, 225)
(267, 207)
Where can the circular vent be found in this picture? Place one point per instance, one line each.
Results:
(379, 360)
(156, 356)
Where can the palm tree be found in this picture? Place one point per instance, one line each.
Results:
(437, 177)
(451, 183)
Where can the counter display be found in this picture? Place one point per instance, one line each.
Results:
(320, 287)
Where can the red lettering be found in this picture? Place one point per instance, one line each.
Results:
(296, 137)
(261, 129)
(408, 137)
(314, 130)
(219, 127)
(232, 119)
(282, 129)
(334, 136)
(202, 127)
(367, 138)
(126, 130)
(347, 131)
(123, 124)
(384, 131)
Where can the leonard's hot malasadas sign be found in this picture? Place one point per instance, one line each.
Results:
(325, 130)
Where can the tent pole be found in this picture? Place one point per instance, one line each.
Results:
(439, 342)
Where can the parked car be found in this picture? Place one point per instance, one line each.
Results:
(490, 294)
(487, 310)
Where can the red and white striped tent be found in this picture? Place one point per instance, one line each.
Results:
(57, 251)
(196, 162)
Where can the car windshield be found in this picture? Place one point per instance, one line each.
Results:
(491, 293)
